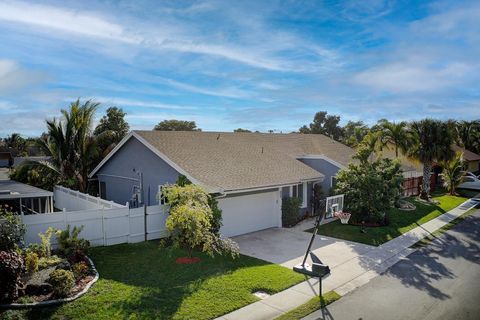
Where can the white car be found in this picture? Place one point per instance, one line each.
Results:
(470, 174)
(470, 182)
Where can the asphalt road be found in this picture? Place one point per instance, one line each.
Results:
(440, 281)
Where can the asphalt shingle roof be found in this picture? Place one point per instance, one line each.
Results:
(234, 161)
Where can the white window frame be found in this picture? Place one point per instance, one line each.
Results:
(331, 180)
(304, 193)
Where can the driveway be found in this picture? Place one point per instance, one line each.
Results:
(287, 247)
(440, 281)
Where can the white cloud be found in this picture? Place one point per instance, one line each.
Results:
(410, 77)
(137, 103)
(13, 77)
(230, 92)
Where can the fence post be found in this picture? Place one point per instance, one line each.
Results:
(64, 212)
(103, 228)
(145, 221)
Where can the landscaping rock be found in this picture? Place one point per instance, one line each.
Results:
(64, 265)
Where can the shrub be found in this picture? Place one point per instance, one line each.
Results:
(370, 189)
(70, 245)
(290, 211)
(46, 246)
(80, 270)
(48, 262)
(31, 262)
(11, 267)
(11, 229)
(62, 282)
(216, 219)
(190, 220)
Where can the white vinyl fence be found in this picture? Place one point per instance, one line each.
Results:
(72, 200)
(102, 226)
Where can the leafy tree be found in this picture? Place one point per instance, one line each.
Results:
(468, 135)
(16, 142)
(434, 139)
(241, 130)
(453, 172)
(34, 175)
(177, 125)
(71, 145)
(324, 124)
(189, 221)
(370, 188)
(354, 132)
(12, 229)
(396, 134)
(111, 129)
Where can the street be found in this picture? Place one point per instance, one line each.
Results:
(440, 281)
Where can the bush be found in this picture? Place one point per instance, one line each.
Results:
(190, 220)
(80, 270)
(62, 282)
(216, 219)
(46, 246)
(290, 211)
(11, 267)
(370, 189)
(11, 229)
(48, 262)
(70, 245)
(31, 262)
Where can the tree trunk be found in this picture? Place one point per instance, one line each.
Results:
(427, 168)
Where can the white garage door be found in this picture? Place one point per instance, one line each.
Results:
(248, 213)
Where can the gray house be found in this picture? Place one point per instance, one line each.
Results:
(250, 173)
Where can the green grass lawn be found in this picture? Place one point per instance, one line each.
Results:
(400, 222)
(313, 305)
(142, 281)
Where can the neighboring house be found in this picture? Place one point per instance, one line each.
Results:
(6, 159)
(472, 159)
(25, 199)
(249, 172)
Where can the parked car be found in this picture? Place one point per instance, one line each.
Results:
(469, 182)
(471, 174)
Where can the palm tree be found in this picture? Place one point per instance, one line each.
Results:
(453, 172)
(434, 144)
(468, 135)
(70, 144)
(396, 134)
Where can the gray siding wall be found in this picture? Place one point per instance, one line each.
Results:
(131, 159)
(308, 208)
(325, 167)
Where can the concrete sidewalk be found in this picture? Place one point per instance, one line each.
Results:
(349, 275)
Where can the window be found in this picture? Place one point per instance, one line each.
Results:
(298, 191)
(161, 197)
(333, 182)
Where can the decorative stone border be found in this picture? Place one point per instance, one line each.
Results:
(55, 301)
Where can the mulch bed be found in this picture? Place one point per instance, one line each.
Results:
(187, 260)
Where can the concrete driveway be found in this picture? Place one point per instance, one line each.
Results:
(287, 247)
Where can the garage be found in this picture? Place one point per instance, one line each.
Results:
(244, 213)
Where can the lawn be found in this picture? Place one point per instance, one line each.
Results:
(142, 281)
(400, 222)
(311, 306)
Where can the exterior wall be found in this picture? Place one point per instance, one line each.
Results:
(474, 166)
(126, 164)
(325, 167)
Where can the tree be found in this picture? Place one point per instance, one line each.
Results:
(17, 142)
(396, 134)
(354, 132)
(241, 130)
(370, 188)
(177, 125)
(111, 129)
(434, 141)
(71, 145)
(468, 135)
(453, 172)
(324, 124)
(189, 221)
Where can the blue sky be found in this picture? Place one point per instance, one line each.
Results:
(226, 64)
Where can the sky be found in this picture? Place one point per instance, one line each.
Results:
(259, 65)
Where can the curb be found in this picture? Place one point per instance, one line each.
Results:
(55, 301)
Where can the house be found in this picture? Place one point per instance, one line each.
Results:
(249, 173)
(472, 159)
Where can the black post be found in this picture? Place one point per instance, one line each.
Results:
(320, 289)
(145, 220)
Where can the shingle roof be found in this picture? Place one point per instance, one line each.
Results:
(234, 161)
(467, 154)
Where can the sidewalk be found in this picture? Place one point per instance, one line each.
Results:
(350, 274)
